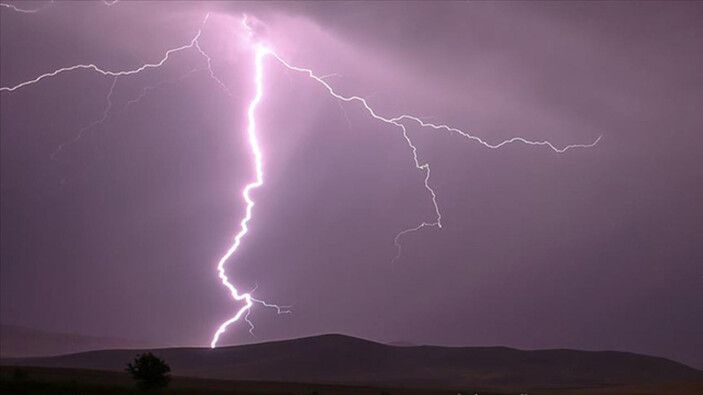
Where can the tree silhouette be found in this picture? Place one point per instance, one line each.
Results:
(149, 371)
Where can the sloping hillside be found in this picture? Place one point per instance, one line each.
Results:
(343, 359)
(17, 341)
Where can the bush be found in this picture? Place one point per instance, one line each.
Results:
(149, 371)
(19, 374)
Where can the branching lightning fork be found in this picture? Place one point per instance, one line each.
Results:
(20, 10)
(261, 51)
(423, 167)
(13, 7)
(248, 299)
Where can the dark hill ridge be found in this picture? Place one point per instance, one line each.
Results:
(19, 342)
(344, 359)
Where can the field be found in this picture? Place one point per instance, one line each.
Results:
(31, 380)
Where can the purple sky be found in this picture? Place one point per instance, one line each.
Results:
(119, 234)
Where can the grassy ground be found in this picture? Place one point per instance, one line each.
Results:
(30, 381)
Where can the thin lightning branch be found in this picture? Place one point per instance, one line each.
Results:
(99, 121)
(326, 76)
(20, 10)
(13, 7)
(346, 116)
(209, 67)
(279, 309)
(97, 69)
(248, 321)
(423, 167)
(497, 145)
(147, 89)
(108, 113)
(194, 43)
(167, 55)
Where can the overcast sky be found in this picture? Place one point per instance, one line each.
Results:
(119, 232)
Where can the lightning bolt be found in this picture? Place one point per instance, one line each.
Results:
(423, 167)
(108, 113)
(20, 10)
(145, 91)
(262, 51)
(102, 71)
(13, 7)
(99, 121)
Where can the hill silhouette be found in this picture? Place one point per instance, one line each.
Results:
(18, 341)
(342, 359)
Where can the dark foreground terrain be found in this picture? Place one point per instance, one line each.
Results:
(31, 380)
(346, 365)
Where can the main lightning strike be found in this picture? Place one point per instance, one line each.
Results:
(259, 53)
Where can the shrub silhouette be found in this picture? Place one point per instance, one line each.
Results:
(19, 374)
(149, 371)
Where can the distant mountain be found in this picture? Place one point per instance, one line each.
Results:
(348, 360)
(17, 341)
